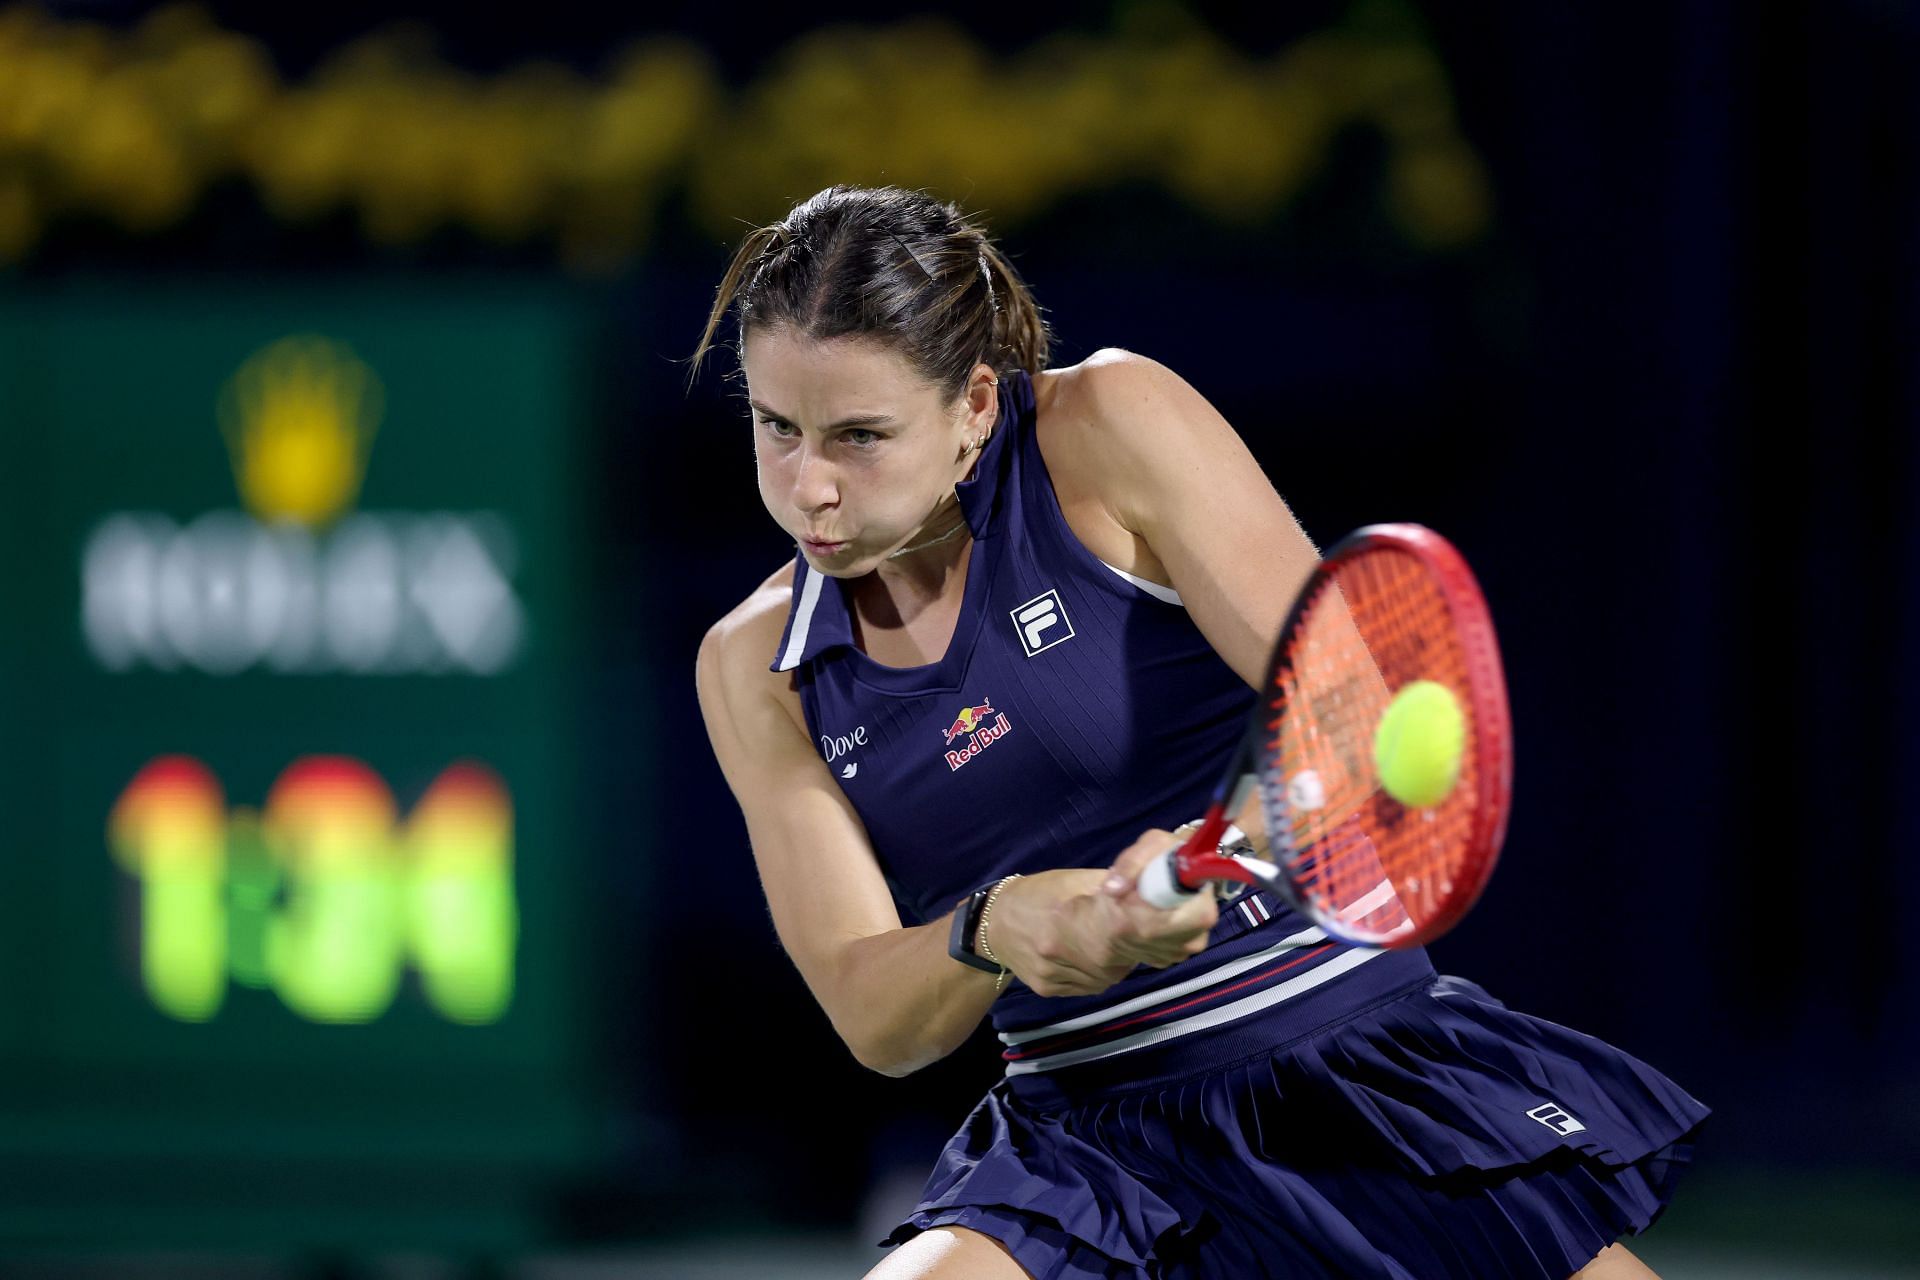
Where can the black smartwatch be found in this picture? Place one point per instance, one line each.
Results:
(966, 925)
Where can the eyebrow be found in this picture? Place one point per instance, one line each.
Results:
(858, 420)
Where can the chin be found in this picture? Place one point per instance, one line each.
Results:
(844, 563)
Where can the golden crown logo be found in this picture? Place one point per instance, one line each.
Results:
(299, 417)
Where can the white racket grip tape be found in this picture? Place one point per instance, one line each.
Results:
(1160, 886)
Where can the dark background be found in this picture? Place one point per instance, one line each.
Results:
(1664, 397)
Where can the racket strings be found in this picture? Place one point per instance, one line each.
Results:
(1377, 624)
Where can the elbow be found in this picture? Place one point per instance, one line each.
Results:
(894, 1036)
(891, 1061)
(896, 1057)
(896, 1068)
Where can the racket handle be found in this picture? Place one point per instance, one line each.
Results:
(1160, 883)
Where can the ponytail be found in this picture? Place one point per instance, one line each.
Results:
(1019, 332)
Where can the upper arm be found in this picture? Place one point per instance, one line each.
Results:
(1176, 474)
(822, 881)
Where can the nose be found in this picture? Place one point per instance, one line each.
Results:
(815, 484)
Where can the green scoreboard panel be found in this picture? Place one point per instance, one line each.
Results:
(292, 907)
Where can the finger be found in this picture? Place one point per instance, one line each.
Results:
(1161, 938)
(1161, 953)
(1126, 869)
(1175, 950)
(1155, 946)
(1065, 971)
(1196, 911)
(1080, 982)
(1199, 914)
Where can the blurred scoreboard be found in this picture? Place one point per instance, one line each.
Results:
(292, 914)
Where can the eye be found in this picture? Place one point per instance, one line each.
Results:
(778, 429)
(861, 438)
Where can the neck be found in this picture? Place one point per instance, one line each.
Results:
(933, 556)
(937, 549)
(924, 540)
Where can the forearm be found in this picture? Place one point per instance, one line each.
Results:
(901, 1002)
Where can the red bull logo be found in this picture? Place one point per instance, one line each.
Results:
(969, 719)
(981, 726)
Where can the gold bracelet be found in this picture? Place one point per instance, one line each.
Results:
(980, 931)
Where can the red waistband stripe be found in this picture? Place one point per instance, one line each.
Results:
(1230, 992)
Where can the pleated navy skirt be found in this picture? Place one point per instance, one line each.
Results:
(1424, 1131)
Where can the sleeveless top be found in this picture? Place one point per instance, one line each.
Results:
(1075, 707)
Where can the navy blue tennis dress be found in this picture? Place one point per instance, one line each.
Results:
(1279, 1105)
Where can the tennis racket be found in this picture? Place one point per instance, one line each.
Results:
(1390, 606)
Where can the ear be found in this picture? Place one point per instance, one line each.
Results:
(982, 397)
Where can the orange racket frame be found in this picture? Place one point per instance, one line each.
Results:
(1341, 850)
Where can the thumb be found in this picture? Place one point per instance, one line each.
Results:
(1126, 869)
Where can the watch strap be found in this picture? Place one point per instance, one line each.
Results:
(966, 924)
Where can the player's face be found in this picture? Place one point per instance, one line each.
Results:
(857, 454)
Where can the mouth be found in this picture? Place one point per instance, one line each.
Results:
(821, 548)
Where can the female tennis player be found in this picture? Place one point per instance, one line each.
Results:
(1014, 647)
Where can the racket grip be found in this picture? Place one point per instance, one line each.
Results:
(1160, 883)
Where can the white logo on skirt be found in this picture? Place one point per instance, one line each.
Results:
(1552, 1115)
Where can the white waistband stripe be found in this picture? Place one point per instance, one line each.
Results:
(1201, 1021)
(1167, 995)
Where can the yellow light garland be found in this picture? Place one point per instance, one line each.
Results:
(136, 125)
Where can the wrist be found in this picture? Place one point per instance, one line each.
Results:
(962, 940)
(981, 943)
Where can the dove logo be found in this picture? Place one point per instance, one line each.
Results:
(852, 768)
(836, 745)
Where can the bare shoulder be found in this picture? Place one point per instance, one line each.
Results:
(737, 650)
(1115, 430)
(761, 616)
(1119, 416)
(1113, 394)
(1112, 370)
(1132, 445)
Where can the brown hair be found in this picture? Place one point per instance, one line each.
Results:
(896, 266)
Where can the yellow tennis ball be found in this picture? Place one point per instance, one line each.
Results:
(1417, 747)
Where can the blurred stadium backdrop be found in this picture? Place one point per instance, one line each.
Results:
(357, 528)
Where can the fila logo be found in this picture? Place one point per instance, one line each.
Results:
(1552, 1115)
(1042, 623)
